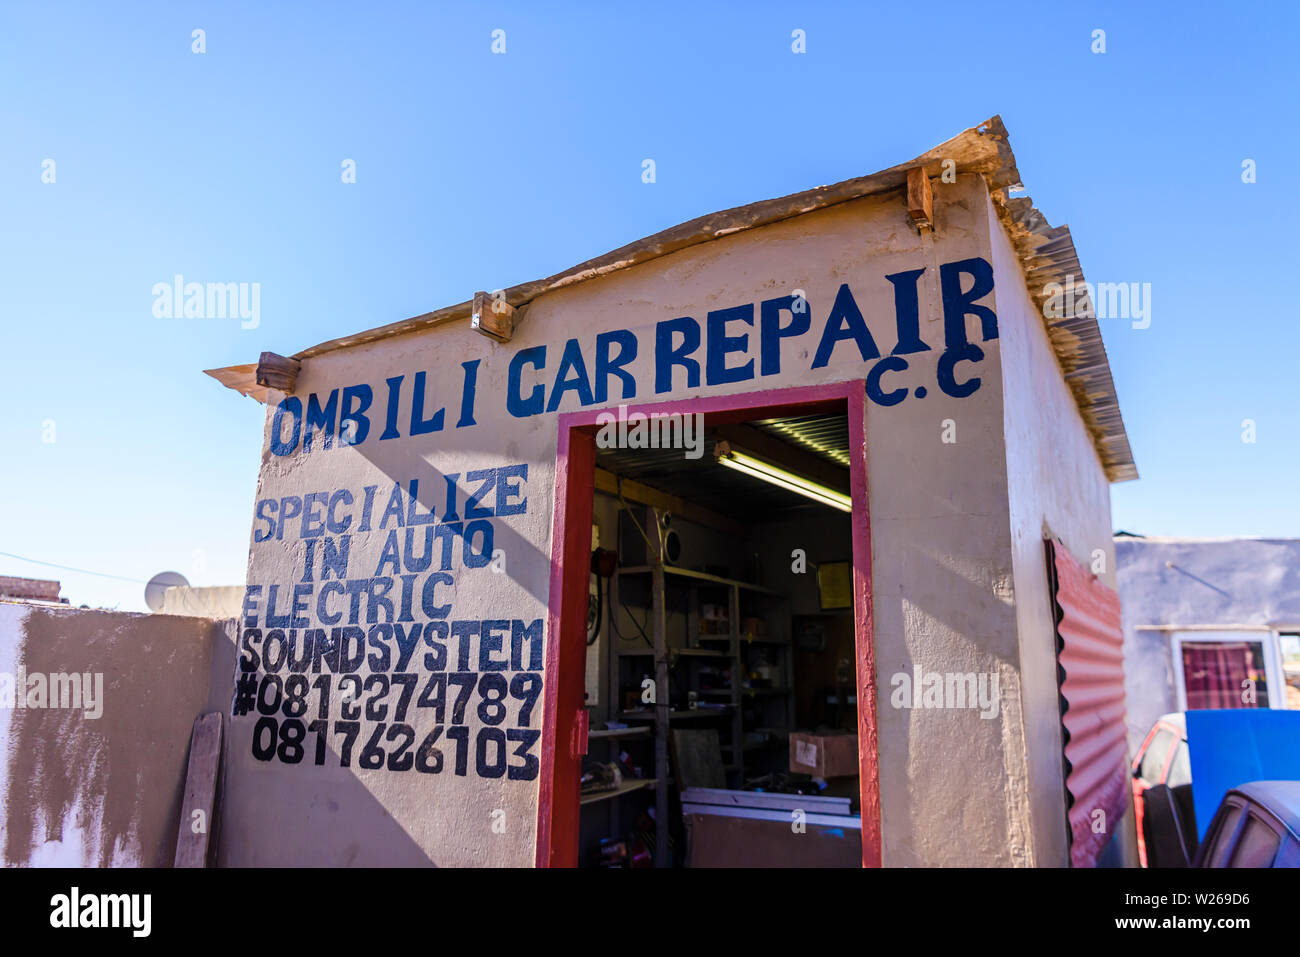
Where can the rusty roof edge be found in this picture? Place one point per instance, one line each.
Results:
(980, 149)
(1046, 255)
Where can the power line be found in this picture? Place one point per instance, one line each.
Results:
(69, 568)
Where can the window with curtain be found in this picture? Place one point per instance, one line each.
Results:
(1215, 674)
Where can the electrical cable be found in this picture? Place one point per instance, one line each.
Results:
(639, 627)
(600, 609)
(613, 620)
(613, 616)
(623, 505)
(69, 568)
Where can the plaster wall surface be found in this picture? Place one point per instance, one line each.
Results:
(222, 602)
(1056, 488)
(942, 556)
(83, 790)
(1250, 581)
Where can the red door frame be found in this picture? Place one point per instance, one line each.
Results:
(563, 716)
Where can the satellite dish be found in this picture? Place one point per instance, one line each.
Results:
(153, 592)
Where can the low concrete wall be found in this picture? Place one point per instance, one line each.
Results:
(94, 759)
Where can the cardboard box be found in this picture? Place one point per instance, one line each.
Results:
(830, 755)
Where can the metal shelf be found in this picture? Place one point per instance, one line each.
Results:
(717, 648)
(677, 652)
(670, 570)
(641, 731)
(678, 715)
(627, 787)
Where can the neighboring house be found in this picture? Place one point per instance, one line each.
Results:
(36, 591)
(1208, 623)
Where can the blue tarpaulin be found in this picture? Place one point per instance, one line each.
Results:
(1231, 747)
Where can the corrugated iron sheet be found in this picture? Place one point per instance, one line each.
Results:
(1048, 256)
(700, 480)
(1090, 660)
(826, 435)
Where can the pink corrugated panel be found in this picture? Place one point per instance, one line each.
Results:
(1091, 657)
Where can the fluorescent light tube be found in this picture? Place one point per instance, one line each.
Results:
(767, 472)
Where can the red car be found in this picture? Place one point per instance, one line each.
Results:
(1162, 759)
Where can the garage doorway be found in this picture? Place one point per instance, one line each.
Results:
(565, 731)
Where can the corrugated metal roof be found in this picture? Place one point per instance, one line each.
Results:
(1046, 255)
(1090, 656)
(702, 481)
(825, 435)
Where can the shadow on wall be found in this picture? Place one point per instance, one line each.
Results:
(951, 815)
(114, 781)
(527, 564)
(303, 815)
(273, 820)
(321, 831)
(299, 813)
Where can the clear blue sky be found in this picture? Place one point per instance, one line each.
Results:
(477, 171)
